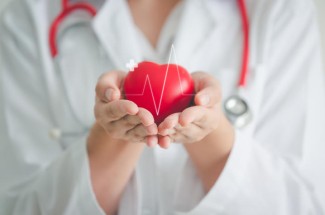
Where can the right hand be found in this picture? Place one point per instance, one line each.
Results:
(122, 119)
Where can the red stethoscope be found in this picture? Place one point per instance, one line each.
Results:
(235, 107)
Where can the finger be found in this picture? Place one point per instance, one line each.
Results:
(124, 124)
(152, 141)
(129, 121)
(192, 133)
(192, 114)
(146, 118)
(167, 132)
(117, 109)
(108, 86)
(151, 129)
(208, 91)
(164, 141)
(178, 138)
(137, 134)
(169, 123)
(142, 117)
(121, 128)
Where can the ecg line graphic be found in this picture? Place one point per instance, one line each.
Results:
(147, 81)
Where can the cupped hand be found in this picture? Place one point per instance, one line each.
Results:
(196, 122)
(122, 119)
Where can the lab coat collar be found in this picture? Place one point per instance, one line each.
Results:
(197, 27)
(115, 29)
(54, 7)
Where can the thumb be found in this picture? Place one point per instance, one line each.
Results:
(108, 86)
(207, 88)
(208, 97)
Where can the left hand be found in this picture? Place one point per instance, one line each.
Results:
(196, 122)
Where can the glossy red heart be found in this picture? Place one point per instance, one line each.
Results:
(161, 89)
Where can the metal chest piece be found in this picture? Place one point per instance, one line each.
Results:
(237, 111)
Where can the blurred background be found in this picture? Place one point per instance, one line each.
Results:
(320, 5)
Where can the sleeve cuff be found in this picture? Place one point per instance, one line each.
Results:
(225, 187)
(65, 187)
(69, 181)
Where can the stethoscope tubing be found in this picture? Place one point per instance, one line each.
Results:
(237, 119)
(68, 8)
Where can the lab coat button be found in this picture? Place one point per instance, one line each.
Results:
(55, 133)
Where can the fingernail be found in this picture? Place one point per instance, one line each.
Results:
(166, 146)
(109, 94)
(205, 99)
(155, 142)
(152, 142)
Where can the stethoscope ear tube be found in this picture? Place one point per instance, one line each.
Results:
(67, 9)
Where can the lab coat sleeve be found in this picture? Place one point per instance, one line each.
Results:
(37, 176)
(278, 168)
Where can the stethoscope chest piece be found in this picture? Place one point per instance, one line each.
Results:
(237, 111)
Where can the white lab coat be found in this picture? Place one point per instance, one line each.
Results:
(276, 165)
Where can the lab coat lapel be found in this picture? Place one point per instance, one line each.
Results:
(115, 30)
(197, 27)
(77, 66)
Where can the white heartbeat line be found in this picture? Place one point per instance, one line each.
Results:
(172, 51)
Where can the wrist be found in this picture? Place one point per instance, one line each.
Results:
(218, 141)
(101, 145)
(210, 155)
(111, 163)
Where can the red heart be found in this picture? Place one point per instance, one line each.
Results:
(161, 89)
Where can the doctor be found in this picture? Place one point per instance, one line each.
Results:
(58, 157)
